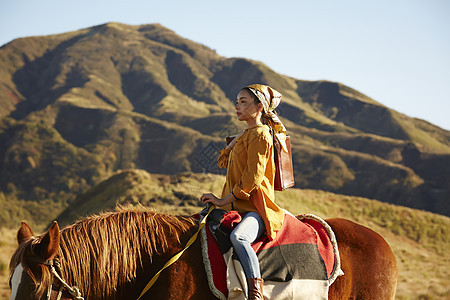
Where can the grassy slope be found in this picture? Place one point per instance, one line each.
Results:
(419, 239)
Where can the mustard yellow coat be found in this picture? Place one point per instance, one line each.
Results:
(250, 176)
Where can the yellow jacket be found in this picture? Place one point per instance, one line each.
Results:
(250, 176)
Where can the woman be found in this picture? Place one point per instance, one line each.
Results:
(249, 186)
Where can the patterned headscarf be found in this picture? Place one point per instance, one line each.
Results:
(270, 99)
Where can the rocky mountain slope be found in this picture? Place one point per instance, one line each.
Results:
(77, 107)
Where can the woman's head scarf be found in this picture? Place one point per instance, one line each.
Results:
(270, 99)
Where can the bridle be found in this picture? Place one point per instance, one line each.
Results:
(54, 267)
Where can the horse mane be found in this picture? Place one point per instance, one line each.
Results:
(111, 247)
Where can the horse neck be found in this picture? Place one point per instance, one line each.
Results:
(100, 260)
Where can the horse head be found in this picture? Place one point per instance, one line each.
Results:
(31, 275)
(103, 255)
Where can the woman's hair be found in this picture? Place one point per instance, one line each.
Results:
(255, 99)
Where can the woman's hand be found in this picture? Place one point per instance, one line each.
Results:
(211, 198)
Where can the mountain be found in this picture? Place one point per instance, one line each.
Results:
(78, 107)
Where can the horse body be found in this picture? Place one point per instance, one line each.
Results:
(117, 264)
(369, 265)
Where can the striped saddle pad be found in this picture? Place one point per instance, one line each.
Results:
(300, 263)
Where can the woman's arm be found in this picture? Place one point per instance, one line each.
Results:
(222, 161)
(211, 198)
(258, 155)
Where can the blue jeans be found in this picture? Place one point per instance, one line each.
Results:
(246, 232)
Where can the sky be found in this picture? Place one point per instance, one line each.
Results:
(396, 52)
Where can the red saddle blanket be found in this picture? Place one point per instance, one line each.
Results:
(302, 258)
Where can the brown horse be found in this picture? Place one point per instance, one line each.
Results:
(113, 256)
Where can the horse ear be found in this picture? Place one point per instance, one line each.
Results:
(24, 233)
(49, 244)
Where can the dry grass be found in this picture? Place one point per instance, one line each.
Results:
(7, 246)
(419, 239)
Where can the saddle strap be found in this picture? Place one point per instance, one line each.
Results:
(178, 255)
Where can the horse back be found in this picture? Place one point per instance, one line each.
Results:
(369, 265)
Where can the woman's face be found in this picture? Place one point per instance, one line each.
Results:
(246, 108)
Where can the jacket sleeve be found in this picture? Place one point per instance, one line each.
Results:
(258, 155)
(222, 161)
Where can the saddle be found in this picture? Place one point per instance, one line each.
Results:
(300, 263)
(219, 230)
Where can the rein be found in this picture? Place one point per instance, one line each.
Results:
(73, 291)
(178, 255)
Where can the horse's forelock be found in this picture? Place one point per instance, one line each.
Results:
(24, 249)
(44, 282)
(25, 256)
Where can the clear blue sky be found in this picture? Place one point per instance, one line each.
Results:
(397, 52)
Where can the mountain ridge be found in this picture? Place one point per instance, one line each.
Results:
(77, 107)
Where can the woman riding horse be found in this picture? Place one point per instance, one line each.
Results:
(249, 186)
